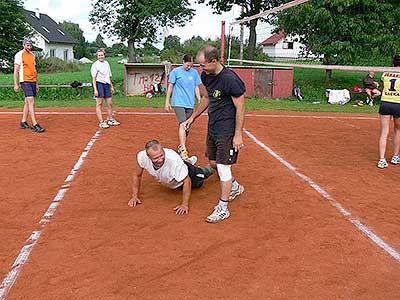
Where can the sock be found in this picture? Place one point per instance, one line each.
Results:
(223, 204)
(235, 185)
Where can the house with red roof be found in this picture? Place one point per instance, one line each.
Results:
(280, 46)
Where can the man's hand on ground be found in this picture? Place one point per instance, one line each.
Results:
(134, 201)
(181, 209)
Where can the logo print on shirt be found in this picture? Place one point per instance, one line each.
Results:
(190, 77)
(217, 94)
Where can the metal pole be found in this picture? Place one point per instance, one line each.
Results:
(241, 38)
(222, 41)
(230, 44)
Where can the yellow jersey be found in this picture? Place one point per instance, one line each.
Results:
(391, 87)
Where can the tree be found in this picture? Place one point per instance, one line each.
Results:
(137, 21)
(249, 8)
(118, 48)
(100, 42)
(13, 29)
(345, 32)
(80, 49)
(172, 42)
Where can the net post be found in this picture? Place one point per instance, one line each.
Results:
(222, 41)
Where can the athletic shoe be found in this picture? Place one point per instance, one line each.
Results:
(371, 102)
(103, 124)
(382, 163)
(218, 215)
(395, 160)
(192, 160)
(37, 128)
(183, 152)
(234, 193)
(113, 122)
(207, 171)
(24, 125)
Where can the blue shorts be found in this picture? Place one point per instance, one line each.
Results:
(29, 88)
(104, 90)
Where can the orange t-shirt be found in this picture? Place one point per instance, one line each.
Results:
(27, 70)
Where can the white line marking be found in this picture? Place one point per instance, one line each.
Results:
(363, 228)
(168, 114)
(26, 250)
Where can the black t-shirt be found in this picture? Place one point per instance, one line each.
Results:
(221, 110)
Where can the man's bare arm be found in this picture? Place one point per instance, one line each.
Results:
(239, 104)
(137, 178)
(16, 71)
(187, 190)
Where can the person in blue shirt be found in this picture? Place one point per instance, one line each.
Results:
(183, 84)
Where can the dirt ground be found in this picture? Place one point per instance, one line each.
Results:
(282, 241)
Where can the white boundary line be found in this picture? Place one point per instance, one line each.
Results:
(363, 228)
(168, 114)
(27, 248)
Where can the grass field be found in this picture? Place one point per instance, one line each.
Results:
(312, 83)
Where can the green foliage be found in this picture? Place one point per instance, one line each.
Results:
(250, 8)
(137, 22)
(100, 42)
(13, 29)
(149, 50)
(175, 52)
(80, 49)
(54, 64)
(346, 32)
(172, 42)
(118, 48)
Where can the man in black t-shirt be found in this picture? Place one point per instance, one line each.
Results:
(225, 102)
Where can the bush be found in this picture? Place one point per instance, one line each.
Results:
(54, 65)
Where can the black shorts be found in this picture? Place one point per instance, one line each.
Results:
(220, 149)
(104, 90)
(390, 108)
(29, 88)
(196, 175)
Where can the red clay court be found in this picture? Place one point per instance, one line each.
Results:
(317, 220)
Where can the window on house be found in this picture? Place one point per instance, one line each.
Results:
(66, 54)
(45, 29)
(287, 45)
(52, 52)
(60, 32)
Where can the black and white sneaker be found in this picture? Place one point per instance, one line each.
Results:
(37, 128)
(219, 214)
(24, 125)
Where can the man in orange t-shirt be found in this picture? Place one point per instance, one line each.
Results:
(25, 69)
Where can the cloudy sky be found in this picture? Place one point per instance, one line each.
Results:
(204, 23)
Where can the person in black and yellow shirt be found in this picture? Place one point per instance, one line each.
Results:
(390, 106)
(225, 102)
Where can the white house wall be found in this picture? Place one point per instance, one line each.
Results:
(59, 50)
(278, 51)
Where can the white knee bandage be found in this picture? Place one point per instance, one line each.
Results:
(224, 172)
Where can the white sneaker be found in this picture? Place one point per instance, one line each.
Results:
(218, 215)
(103, 124)
(371, 102)
(382, 163)
(191, 160)
(395, 160)
(113, 122)
(234, 193)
